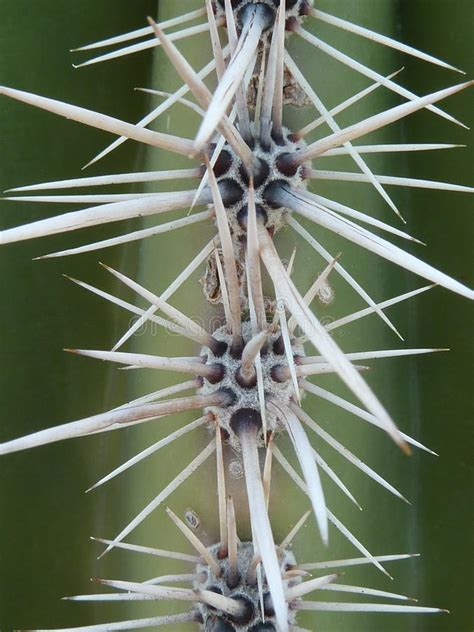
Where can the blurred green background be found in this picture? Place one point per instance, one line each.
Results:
(45, 518)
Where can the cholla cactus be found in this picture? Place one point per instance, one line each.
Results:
(248, 184)
(249, 390)
(251, 373)
(230, 592)
(229, 585)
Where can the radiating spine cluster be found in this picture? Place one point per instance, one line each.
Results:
(252, 373)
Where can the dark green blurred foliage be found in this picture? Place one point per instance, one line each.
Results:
(45, 517)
